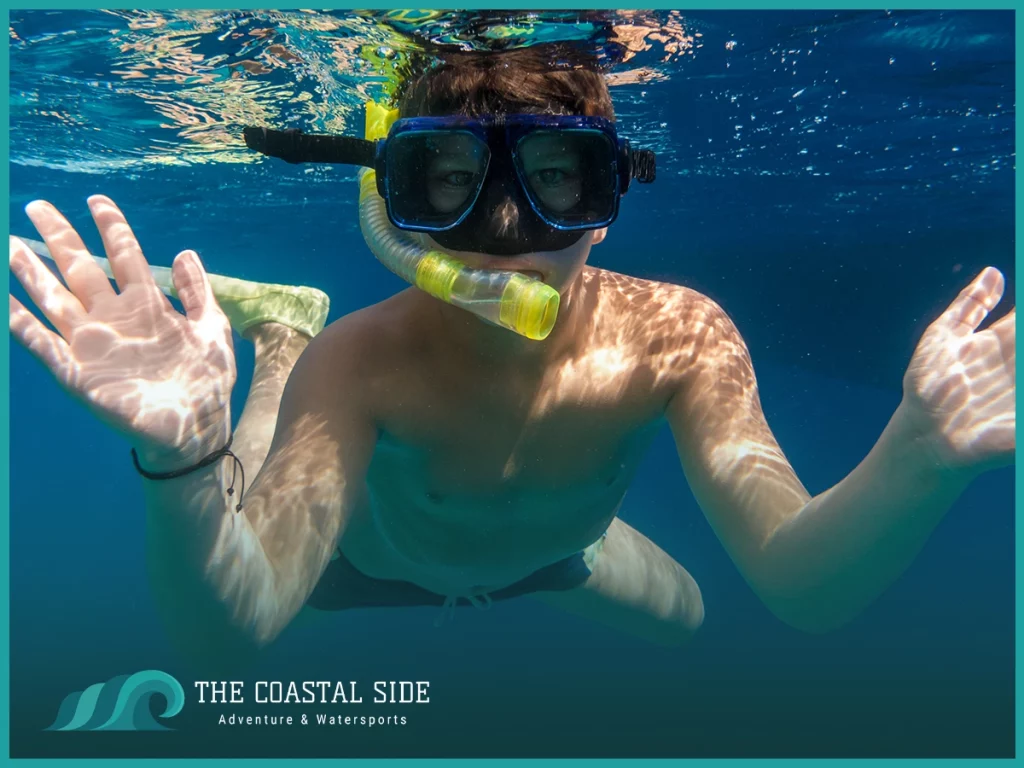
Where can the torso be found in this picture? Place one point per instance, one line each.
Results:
(481, 476)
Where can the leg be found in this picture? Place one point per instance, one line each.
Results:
(277, 349)
(280, 320)
(635, 587)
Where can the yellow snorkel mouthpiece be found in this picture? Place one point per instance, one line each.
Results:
(520, 303)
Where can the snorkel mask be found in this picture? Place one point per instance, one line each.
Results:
(502, 186)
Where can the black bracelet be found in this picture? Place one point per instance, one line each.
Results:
(212, 458)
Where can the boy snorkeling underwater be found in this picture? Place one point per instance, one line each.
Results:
(412, 454)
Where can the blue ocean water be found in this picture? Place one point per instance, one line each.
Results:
(832, 179)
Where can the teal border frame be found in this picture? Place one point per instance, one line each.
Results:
(744, 5)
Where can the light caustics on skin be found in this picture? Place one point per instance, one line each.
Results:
(681, 339)
(645, 352)
(957, 383)
(686, 339)
(959, 388)
(122, 348)
(296, 529)
(164, 379)
(958, 380)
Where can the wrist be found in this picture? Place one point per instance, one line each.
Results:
(924, 449)
(209, 460)
(156, 459)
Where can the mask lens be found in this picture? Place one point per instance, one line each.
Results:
(434, 177)
(569, 175)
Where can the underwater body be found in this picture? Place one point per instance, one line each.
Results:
(832, 179)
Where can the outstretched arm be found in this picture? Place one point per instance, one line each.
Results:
(818, 562)
(228, 583)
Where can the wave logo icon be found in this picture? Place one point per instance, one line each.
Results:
(120, 704)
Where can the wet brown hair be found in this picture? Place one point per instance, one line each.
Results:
(550, 78)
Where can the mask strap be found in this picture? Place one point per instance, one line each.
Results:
(294, 146)
(643, 166)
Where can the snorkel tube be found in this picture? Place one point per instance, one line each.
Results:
(522, 304)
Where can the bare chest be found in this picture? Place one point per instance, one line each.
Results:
(489, 490)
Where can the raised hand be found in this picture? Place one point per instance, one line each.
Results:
(159, 377)
(960, 386)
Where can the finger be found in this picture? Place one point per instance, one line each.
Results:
(45, 345)
(55, 301)
(1005, 330)
(123, 251)
(193, 286)
(1002, 437)
(83, 275)
(974, 303)
(1007, 324)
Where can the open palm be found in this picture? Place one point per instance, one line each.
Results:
(161, 378)
(961, 383)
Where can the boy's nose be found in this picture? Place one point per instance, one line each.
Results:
(503, 231)
(504, 223)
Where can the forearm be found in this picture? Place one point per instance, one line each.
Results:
(209, 571)
(229, 581)
(827, 563)
(211, 579)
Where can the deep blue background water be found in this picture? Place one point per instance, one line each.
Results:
(908, 118)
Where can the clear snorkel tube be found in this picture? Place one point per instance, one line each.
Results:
(509, 299)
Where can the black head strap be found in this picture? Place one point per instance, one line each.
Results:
(294, 146)
(643, 169)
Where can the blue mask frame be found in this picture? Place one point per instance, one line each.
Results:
(625, 163)
(507, 132)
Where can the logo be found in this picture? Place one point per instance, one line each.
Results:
(120, 704)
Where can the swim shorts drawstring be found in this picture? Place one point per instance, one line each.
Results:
(480, 602)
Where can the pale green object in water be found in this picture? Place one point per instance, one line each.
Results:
(244, 302)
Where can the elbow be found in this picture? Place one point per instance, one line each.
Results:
(681, 630)
(812, 622)
(808, 596)
(692, 614)
(815, 610)
(209, 635)
(210, 631)
(695, 619)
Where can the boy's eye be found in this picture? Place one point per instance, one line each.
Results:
(457, 178)
(552, 176)
(558, 189)
(449, 188)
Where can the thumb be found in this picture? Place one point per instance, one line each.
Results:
(192, 285)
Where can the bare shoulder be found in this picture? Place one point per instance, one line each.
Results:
(354, 355)
(684, 328)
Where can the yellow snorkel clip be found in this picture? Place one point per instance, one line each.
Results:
(509, 299)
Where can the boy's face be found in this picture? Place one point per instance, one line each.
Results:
(552, 168)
